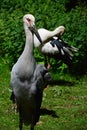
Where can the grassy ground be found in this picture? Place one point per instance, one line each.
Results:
(64, 105)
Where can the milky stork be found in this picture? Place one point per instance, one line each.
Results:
(28, 79)
(54, 46)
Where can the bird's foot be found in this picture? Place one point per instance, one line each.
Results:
(48, 66)
(46, 88)
(15, 108)
(39, 123)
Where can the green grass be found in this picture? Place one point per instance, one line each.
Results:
(64, 105)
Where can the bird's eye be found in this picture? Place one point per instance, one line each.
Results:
(28, 19)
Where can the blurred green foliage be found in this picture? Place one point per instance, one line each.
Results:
(49, 14)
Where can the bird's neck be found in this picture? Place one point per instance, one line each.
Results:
(28, 53)
(26, 62)
(29, 44)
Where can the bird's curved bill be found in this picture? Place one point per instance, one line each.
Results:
(34, 30)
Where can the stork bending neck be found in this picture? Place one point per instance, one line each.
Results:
(58, 31)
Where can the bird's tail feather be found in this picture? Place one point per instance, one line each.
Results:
(74, 49)
(68, 51)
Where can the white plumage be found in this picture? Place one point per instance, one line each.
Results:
(28, 79)
(53, 46)
(47, 35)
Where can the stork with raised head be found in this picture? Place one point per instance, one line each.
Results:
(54, 46)
(29, 79)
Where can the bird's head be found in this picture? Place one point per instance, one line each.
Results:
(29, 22)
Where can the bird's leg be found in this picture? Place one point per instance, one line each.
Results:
(20, 124)
(48, 67)
(15, 108)
(32, 127)
(45, 61)
(20, 120)
(48, 64)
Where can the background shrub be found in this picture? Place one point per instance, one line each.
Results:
(49, 14)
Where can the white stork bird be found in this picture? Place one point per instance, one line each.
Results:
(28, 79)
(53, 46)
(47, 35)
